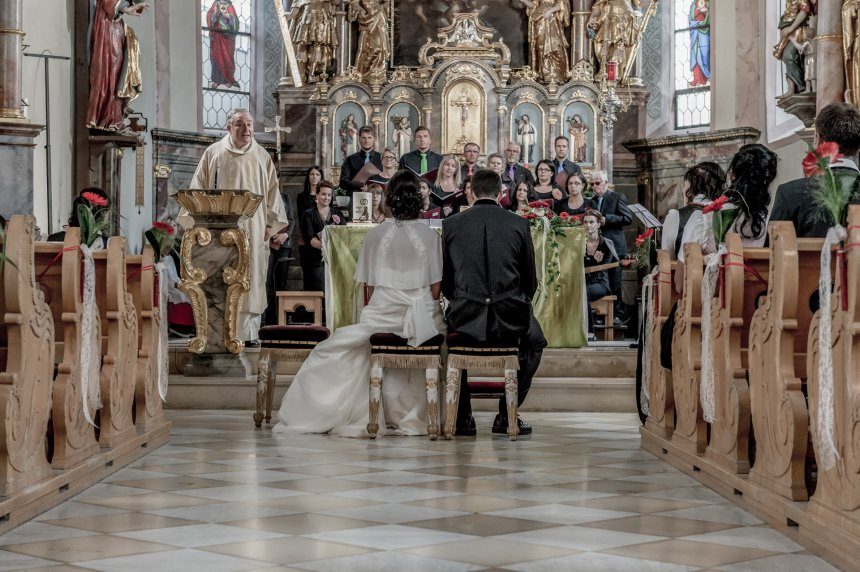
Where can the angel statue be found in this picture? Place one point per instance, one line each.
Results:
(374, 48)
(548, 45)
(616, 26)
(314, 36)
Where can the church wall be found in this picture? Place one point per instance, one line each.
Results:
(182, 66)
(48, 27)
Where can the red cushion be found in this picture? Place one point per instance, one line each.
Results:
(180, 314)
(487, 386)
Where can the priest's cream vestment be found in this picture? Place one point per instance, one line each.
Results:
(225, 166)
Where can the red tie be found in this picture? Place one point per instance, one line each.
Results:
(470, 170)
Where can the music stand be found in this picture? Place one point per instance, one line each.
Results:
(645, 217)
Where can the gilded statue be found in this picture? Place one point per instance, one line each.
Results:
(851, 43)
(314, 36)
(548, 44)
(374, 47)
(616, 27)
(795, 42)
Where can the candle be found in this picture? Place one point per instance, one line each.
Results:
(611, 71)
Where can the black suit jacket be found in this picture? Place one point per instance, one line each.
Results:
(464, 170)
(617, 214)
(794, 203)
(412, 161)
(569, 167)
(488, 273)
(352, 165)
(520, 174)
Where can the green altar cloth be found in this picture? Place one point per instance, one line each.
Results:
(559, 308)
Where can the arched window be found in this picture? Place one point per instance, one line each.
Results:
(226, 38)
(692, 41)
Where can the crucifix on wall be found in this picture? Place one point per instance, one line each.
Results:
(277, 130)
(464, 102)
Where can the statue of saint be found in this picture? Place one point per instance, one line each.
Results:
(402, 135)
(577, 131)
(115, 78)
(548, 44)
(851, 43)
(348, 134)
(794, 41)
(314, 36)
(374, 48)
(527, 138)
(614, 26)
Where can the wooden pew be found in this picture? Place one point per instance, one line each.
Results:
(60, 279)
(140, 270)
(732, 311)
(661, 398)
(27, 368)
(777, 364)
(690, 428)
(119, 345)
(835, 506)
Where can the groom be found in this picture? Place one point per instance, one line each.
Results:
(488, 277)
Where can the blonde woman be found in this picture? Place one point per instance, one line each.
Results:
(447, 184)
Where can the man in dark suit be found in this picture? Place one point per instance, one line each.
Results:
(515, 173)
(616, 215)
(471, 152)
(355, 162)
(488, 277)
(837, 123)
(561, 163)
(422, 160)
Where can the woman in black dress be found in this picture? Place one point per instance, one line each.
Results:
(545, 188)
(598, 251)
(576, 204)
(314, 221)
(307, 198)
(524, 194)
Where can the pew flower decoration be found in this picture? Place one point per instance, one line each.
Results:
(93, 217)
(645, 245)
(162, 237)
(831, 197)
(723, 217)
(550, 225)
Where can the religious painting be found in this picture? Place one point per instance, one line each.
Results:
(348, 119)
(527, 131)
(226, 51)
(464, 110)
(403, 118)
(223, 23)
(692, 25)
(417, 20)
(578, 126)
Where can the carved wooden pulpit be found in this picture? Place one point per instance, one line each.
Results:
(215, 275)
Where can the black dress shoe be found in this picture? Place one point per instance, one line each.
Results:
(500, 425)
(467, 427)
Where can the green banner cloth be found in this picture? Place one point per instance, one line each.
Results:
(559, 307)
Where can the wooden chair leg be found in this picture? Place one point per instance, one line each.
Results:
(511, 399)
(375, 399)
(432, 375)
(270, 385)
(452, 398)
(609, 324)
(262, 381)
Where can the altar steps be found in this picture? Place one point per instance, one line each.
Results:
(585, 379)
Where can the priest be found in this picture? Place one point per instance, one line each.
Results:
(238, 162)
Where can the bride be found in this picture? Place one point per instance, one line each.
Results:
(401, 264)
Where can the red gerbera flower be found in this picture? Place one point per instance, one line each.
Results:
(820, 158)
(564, 215)
(716, 205)
(95, 199)
(163, 227)
(539, 205)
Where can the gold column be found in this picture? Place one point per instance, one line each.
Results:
(580, 43)
(829, 55)
(11, 56)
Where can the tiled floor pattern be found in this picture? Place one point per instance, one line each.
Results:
(578, 495)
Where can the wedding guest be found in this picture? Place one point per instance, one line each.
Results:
(836, 123)
(314, 221)
(389, 165)
(616, 215)
(545, 188)
(560, 162)
(702, 184)
(471, 152)
(750, 174)
(576, 204)
(496, 164)
(523, 196)
(428, 209)
(422, 159)
(598, 251)
(447, 184)
(356, 162)
(307, 197)
(377, 214)
(515, 172)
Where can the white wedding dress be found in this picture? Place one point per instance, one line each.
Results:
(329, 394)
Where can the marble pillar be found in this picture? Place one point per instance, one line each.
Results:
(17, 143)
(829, 63)
(11, 58)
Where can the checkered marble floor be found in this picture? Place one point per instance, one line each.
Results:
(578, 495)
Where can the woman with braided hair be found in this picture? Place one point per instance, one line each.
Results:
(750, 174)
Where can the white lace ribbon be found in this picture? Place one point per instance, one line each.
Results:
(826, 422)
(648, 286)
(162, 357)
(90, 359)
(709, 286)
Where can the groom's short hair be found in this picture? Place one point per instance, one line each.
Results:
(486, 184)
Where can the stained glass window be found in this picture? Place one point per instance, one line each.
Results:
(226, 38)
(692, 23)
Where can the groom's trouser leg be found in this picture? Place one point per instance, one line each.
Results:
(464, 406)
(530, 353)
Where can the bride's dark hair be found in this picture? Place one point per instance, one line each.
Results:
(404, 196)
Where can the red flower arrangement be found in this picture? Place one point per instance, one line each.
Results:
(716, 205)
(539, 205)
(644, 246)
(164, 227)
(95, 199)
(820, 159)
(640, 240)
(831, 194)
(161, 237)
(564, 215)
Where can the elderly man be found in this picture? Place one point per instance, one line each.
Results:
(616, 215)
(239, 162)
(514, 173)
